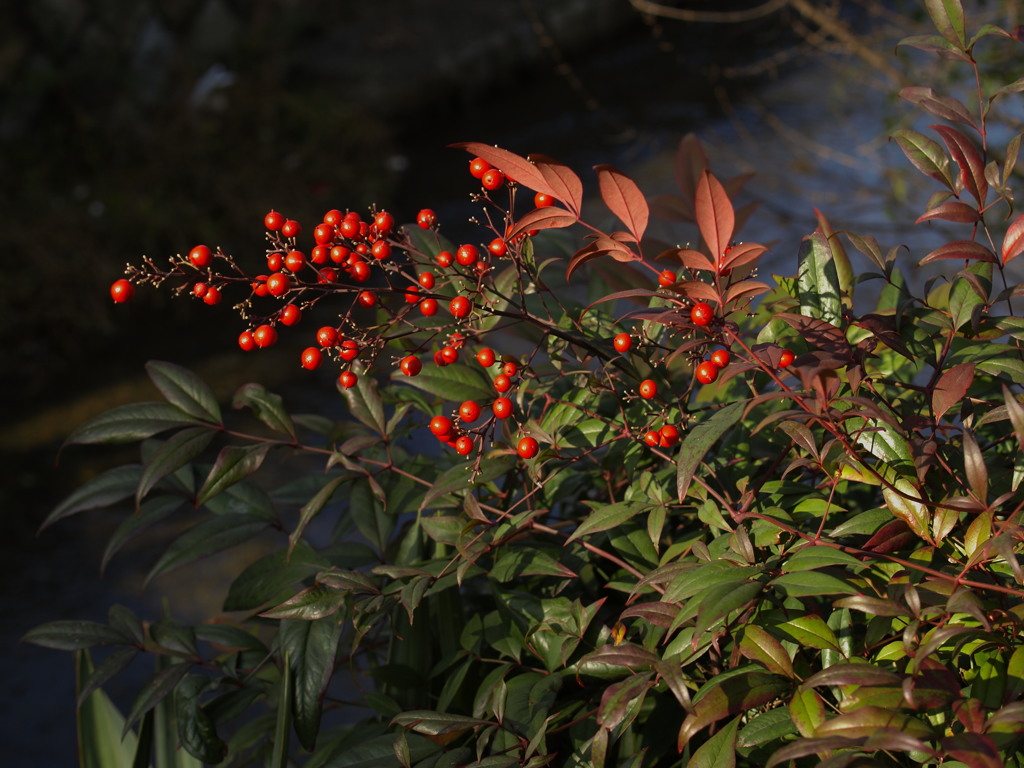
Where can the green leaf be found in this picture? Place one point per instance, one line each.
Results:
(811, 631)
(818, 281)
(233, 463)
(177, 451)
(150, 513)
(131, 423)
(773, 725)
(720, 750)
(807, 711)
(269, 578)
(310, 647)
(813, 557)
(196, 729)
(213, 535)
(719, 698)
(925, 154)
(607, 517)
(66, 635)
(365, 404)
(100, 725)
(267, 407)
(312, 603)
(619, 698)
(312, 508)
(108, 668)
(700, 439)
(285, 699)
(852, 673)
(185, 389)
(455, 383)
(112, 486)
(760, 646)
(948, 17)
(866, 721)
(436, 723)
(810, 583)
(155, 690)
(460, 478)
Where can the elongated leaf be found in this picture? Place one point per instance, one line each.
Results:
(311, 604)
(925, 154)
(151, 511)
(185, 389)
(866, 721)
(108, 668)
(1013, 241)
(700, 439)
(131, 423)
(177, 451)
(737, 693)
(66, 635)
(811, 631)
(458, 478)
(807, 711)
(716, 218)
(567, 185)
(623, 198)
(951, 388)
(451, 382)
(948, 18)
(760, 646)
(511, 164)
(619, 697)
(233, 464)
(102, 743)
(196, 729)
(967, 156)
(968, 250)
(953, 210)
(155, 690)
(312, 508)
(818, 281)
(268, 407)
(266, 579)
(551, 217)
(310, 647)
(112, 486)
(606, 517)
(213, 535)
(941, 106)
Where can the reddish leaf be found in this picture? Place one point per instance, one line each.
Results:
(690, 163)
(729, 696)
(551, 217)
(569, 188)
(974, 749)
(695, 260)
(960, 249)
(741, 254)
(672, 208)
(954, 210)
(716, 218)
(941, 106)
(1013, 241)
(623, 198)
(600, 247)
(519, 168)
(951, 387)
(851, 673)
(967, 156)
(891, 537)
(948, 18)
(974, 466)
(697, 290)
(925, 155)
(744, 291)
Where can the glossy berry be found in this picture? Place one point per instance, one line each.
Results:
(467, 254)
(327, 336)
(444, 259)
(469, 412)
(652, 438)
(464, 445)
(290, 314)
(278, 284)
(440, 425)
(510, 369)
(543, 200)
(492, 179)
(502, 407)
(290, 228)
(449, 354)
(349, 227)
(648, 389)
(323, 234)
(720, 357)
(327, 275)
(666, 277)
(426, 218)
(383, 221)
(200, 256)
(623, 342)
(275, 261)
(121, 291)
(333, 217)
(246, 341)
(485, 356)
(410, 365)
(259, 285)
(347, 379)
(367, 299)
(460, 306)
(478, 167)
(426, 280)
(668, 436)
(273, 221)
(428, 307)
(340, 254)
(497, 247)
(199, 289)
(320, 254)
(786, 358)
(360, 271)
(212, 295)
(707, 372)
(349, 349)
(702, 313)
(502, 383)
(312, 358)
(412, 294)
(294, 261)
(264, 336)
(527, 447)
(380, 249)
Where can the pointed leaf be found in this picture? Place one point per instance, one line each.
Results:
(213, 535)
(954, 210)
(967, 156)
(267, 406)
(719, 751)
(551, 217)
(623, 198)
(760, 646)
(185, 389)
(941, 106)
(130, 423)
(716, 218)
(567, 185)
(606, 517)
(67, 635)
(1013, 241)
(177, 451)
(112, 486)
(968, 250)
(155, 690)
(451, 382)
(511, 164)
(700, 439)
(948, 18)
(925, 155)
(233, 464)
(310, 647)
(818, 281)
(951, 388)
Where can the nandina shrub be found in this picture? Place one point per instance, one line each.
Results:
(598, 500)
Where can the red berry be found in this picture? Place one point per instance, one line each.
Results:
(492, 179)
(273, 221)
(278, 284)
(327, 336)
(444, 259)
(339, 254)
(623, 342)
(648, 389)
(786, 358)
(668, 436)
(426, 218)
(449, 354)
(502, 407)
(290, 314)
(412, 294)
(312, 358)
(478, 167)
(428, 307)
(294, 261)
(426, 279)
(439, 360)
(707, 372)
(333, 217)
(466, 255)
(510, 369)
(440, 425)
(349, 349)
(212, 295)
(464, 445)
(259, 285)
(199, 290)
(327, 275)
(291, 228)
(347, 379)
(410, 365)
(460, 306)
(469, 412)
(498, 247)
(702, 313)
(349, 227)
(652, 438)
(527, 447)
(200, 256)
(381, 249)
(246, 341)
(367, 299)
(502, 383)
(666, 277)
(360, 271)
(121, 291)
(275, 261)
(323, 234)
(720, 357)
(543, 200)
(320, 254)
(383, 221)
(485, 357)
(264, 336)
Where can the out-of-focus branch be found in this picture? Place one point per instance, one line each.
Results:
(714, 17)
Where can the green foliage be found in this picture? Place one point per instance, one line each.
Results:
(823, 569)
